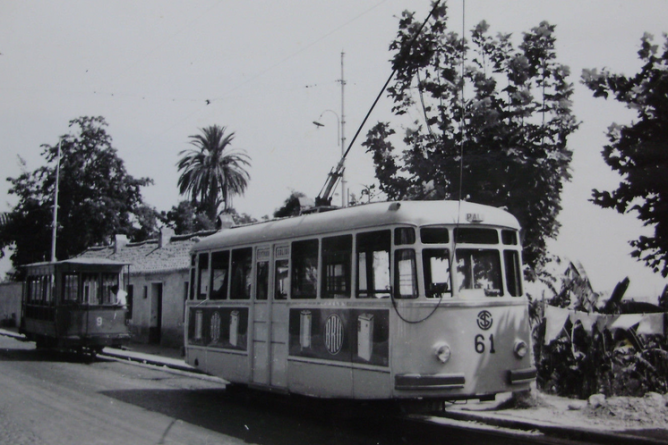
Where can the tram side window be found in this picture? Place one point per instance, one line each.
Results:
(203, 278)
(262, 280)
(70, 287)
(405, 274)
(281, 280)
(436, 264)
(220, 266)
(509, 237)
(109, 281)
(91, 288)
(513, 272)
(373, 264)
(337, 254)
(242, 266)
(304, 256)
(479, 269)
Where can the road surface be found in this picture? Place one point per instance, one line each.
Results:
(60, 398)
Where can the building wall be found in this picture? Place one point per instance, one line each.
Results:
(10, 304)
(144, 321)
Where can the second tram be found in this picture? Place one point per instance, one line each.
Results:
(394, 300)
(74, 304)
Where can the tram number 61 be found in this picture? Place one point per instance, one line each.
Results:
(480, 344)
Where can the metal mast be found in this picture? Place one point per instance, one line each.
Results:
(344, 201)
(55, 208)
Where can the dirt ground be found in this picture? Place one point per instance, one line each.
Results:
(614, 413)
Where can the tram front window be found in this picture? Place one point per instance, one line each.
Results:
(436, 263)
(479, 269)
(373, 264)
(70, 287)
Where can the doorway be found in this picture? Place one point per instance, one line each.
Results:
(155, 319)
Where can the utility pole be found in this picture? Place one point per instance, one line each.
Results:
(55, 208)
(344, 200)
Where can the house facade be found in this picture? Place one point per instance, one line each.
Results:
(157, 283)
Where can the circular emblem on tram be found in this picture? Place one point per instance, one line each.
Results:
(215, 327)
(334, 334)
(485, 320)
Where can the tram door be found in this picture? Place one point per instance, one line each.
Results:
(261, 366)
(270, 317)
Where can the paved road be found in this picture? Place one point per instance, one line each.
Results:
(59, 398)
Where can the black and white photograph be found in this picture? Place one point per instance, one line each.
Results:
(335, 222)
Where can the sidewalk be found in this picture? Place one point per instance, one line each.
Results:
(559, 417)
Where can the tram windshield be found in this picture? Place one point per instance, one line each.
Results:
(479, 269)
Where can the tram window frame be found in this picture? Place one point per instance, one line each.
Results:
(403, 279)
(304, 263)
(262, 280)
(221, 258)
(337, 252)
(91, 289)
(404, 236)
(69, 279)
(513, 270)
(241, 276)
(434, 235)
(436, 289)
(476, 235)
(509, 237)
(281, 280)
(202, 276)
(472, 281)
(373, 255)
(107, 281)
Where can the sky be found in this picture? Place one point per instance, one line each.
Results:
(160, 70)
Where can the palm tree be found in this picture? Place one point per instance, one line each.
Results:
(212, 172)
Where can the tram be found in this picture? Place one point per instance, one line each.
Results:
(74, 304)
(392, 300)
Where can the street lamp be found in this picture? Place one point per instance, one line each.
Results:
(340, 141)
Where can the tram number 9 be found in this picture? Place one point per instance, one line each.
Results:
(480, 344)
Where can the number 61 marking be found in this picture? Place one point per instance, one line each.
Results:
(480, 344)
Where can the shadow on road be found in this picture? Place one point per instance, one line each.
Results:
(30, 354)
(265, 418)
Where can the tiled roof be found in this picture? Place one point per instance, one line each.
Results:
(147, 256)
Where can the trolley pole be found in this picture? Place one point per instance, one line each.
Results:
(55, 208)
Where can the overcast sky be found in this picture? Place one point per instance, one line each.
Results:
(157, 71)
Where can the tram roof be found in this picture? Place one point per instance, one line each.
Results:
(416, 213)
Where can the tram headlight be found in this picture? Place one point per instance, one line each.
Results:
(521, 349)
(442, 352)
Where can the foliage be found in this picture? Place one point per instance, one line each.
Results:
(97, 198)
(639, 151)
(622, 363)
(183, 218)
(291, 206)
(212, 172)
(517, 120)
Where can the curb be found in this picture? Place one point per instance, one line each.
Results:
(148, 359)
(573, 433)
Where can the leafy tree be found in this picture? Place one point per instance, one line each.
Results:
(97, 198)
(639, 151)
(183, 218)
(212, 172)
(291, 207)
(505, 145)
